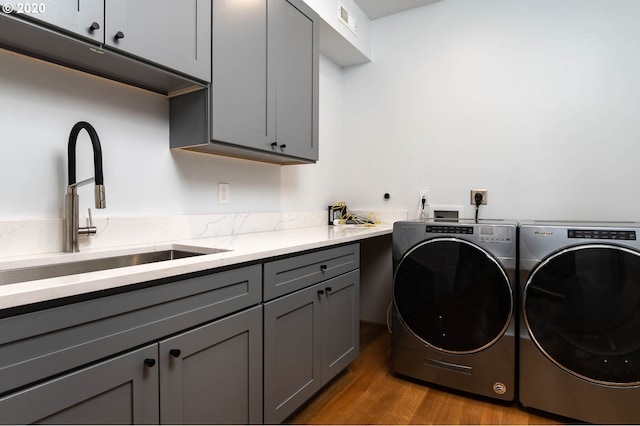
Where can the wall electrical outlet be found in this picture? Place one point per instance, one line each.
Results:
(224, 193)
(478, 191)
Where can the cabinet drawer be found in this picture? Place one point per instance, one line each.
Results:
(294, 273)
(39, 344)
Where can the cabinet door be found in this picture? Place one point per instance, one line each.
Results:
(76, 16)
(213, 374)
(341, 325)
(243, 87)
(292, 352)
(174, 34)
(122, 390)
(296, 30)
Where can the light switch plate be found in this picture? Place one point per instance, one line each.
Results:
(224, 193)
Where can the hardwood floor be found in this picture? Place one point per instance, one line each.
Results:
(367, 393)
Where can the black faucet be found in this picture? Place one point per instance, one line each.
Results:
(72, 229)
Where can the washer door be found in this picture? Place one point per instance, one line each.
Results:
(582, 309)
(453, 295)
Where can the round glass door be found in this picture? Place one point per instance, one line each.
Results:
(582, 309)
(452, 295)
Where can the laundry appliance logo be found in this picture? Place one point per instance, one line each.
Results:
(543, 233)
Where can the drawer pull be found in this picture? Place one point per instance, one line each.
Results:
(149, 362)
(323, 268)
(175, 353)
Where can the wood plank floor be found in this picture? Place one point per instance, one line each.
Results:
(368, 393)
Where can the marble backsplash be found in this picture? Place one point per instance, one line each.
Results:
(39, 236)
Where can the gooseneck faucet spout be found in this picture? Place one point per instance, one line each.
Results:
(72, 228)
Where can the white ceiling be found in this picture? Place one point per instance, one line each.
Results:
(375, 9)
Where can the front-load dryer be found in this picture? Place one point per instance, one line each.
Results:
(580, 325)
(453, 318)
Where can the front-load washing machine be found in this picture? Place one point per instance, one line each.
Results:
(580, 326)
(454, 299)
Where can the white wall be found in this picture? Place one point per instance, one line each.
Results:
(40, 102)
(314, 187)
(536, 100)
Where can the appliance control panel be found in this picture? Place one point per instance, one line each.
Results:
(496, 234)
(449, 229)
(601, 234)
(490, 234)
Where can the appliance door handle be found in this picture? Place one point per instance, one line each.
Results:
(458, 368)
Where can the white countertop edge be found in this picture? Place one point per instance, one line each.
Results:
(242, 248)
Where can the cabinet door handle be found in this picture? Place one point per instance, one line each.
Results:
(149, 362)
(118, 35)
(328, 289)
(274, 144)
(283, 146)
(323, 268)
(94, 26)
(175, 353)
(320, 292)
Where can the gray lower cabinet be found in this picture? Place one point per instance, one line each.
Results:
(309, 336)
(201, 349)
(213, 374)
(122, 390)
(186, 351)
(209, 375)
(263, 99)
(292, 352)
(341, 323)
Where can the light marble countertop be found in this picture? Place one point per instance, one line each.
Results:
(241, 248)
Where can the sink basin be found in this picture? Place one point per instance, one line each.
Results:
(38, 272)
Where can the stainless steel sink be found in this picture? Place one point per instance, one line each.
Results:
(38, 272)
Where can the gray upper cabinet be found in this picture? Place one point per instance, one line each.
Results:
(173, 34)
(82, 17)
(297, 54)
(159, 45)
(263, 100)
(243, 100)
